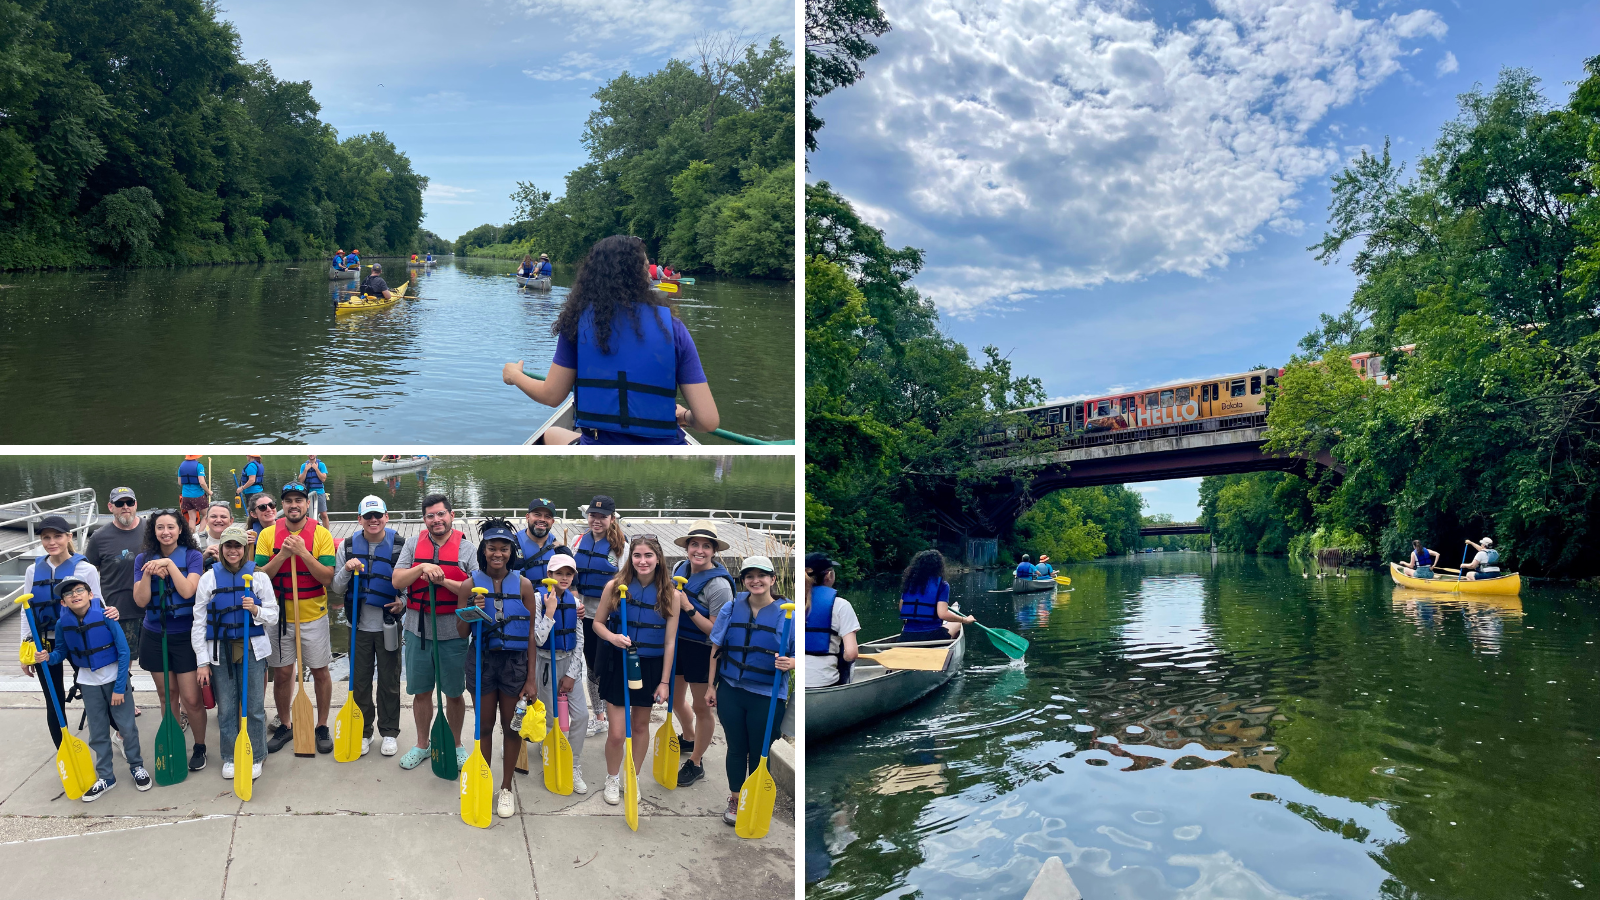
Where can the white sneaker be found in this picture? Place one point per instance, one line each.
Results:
(255, 771)
(508, 804)
(227, 771)
(597, 726)
(389, 747)
(579, 786)
(613, 789)
(366, 744)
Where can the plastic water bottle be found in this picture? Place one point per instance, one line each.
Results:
(516, 720)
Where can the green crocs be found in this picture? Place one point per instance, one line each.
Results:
(414, 757)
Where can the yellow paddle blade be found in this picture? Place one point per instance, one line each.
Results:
(630, 786)
(667, 287)
(756, 799)
(534, 722)
(244, 758)
(26, 652)
(75, 765)
(557, 763)
(347, 730)
(665, 765)
(477, 790)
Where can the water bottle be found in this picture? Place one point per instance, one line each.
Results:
(516, 719)
(391, 631)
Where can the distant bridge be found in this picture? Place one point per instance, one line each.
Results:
(1173, 528)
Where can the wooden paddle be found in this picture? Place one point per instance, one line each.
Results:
(348, 726)
(74, 764)
(557, 751)
(244, 757)
(917, 659)
(170, 766)
(305, 738)
(760, 792)
(477, 782)
(441, 740)
(667, 749)
(719, 432)
(630, 775)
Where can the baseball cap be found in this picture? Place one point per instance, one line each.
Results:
(122, 493)
(756, 562)
(236, 534)
(55, 523)
(69, 581)
(372, 504)
(498, 533)
(561, 561)
(818, 562)
(602, 503)
(542, 503)
(293, 487)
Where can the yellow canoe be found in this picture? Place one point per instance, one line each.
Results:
(367, 302)
(1505, 585)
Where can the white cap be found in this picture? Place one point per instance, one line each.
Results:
(370, 504)
(560, 561)
(756, 562)
(1487, 542)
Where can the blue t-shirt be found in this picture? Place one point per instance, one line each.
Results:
(192, 566)
(719, 636)
(195, 490)
(688, 372)
(1024, 570)
(322, 471)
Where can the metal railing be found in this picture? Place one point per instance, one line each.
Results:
(779, 524)
(79, 506)
(1044, 441)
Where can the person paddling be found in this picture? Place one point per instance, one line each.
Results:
(542, 268)
(649, 637)
(371, 554)
(298, 555)
(1025, 568)
(508, 662)
(1485, 564)
(169, 576)
(746, 655)
(709, 588)
(556, 629)
(1422, 561)
(623, 356)
(44, 577)
(339, 260)
(353, 260)
(925, 613)
(526, 268)
(374, 286)
(1044, 569)
(831, 626)
(192, 489)
(597, 553)
(226, 609)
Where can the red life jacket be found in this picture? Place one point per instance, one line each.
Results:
(310, 587)
(653, 270)
(447, 558)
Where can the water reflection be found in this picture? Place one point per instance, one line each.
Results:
(1484, 618)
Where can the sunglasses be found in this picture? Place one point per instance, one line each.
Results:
(124, 503)
(372, 517)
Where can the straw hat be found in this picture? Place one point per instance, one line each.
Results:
(702, 528)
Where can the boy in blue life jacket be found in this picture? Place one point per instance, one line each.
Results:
(96, 645)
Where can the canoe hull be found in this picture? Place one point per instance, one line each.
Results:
(562, 418)
(540, 283)
(1032, 585)
(342, 274)
(865, 699)
(363, 304)
(400, 465)
(1504, 586)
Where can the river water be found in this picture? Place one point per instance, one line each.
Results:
(255, 354)
(1196, 727)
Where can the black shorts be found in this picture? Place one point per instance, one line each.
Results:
(591, 647)
(505, 672)
(612, 678)
(694, 662)
(179, 652)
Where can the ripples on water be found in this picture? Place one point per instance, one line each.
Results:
(1229, 730)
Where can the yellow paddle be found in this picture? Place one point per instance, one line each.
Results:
(760, 792)
(244, 757)
(74, 764)
(557, 751)
(666, 287)
(630, 775)
(477, 782)
(305, 739)
(348, 726)
(667, 749)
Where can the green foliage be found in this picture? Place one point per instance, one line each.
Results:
(1058, 528)
(1258, 512)
(133, 133)
(836, 44)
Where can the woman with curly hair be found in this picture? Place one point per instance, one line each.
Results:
(925, 613)
(167, 577)
(623, 355)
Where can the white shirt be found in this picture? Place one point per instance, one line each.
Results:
(266, 614)
(1482, 561)
(823, 671)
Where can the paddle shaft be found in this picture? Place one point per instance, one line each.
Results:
(719, 432)
(627, 705)
(38, 641)
(777, 680)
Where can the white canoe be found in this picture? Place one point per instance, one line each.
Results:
(536, 283)
(1053, 883)
(562, 418)
(874, 691)
(400, 465)
(337, 274)
(1031, 585)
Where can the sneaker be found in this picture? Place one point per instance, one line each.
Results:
(613, 789)
(324, 740)
(366, 744)
(227, 770)
(414, 757)
(279, 739)
(116, 744)
(507, 804)
(461, 756)
(731, 816)
(389, 747)
(689, 773)
(141, 779)
(197, 759)
(255, 772)
(579, 786)
(597, 726)
(685, 746)
(100, 787)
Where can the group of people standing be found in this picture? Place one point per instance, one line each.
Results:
(228, 589)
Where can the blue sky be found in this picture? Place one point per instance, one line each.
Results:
(481, 95)
(1120, 194)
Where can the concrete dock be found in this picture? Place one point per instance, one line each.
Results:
(317, 828)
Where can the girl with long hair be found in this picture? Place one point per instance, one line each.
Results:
(925, 613)
(597, 552)
(623, 354)
(167, 579)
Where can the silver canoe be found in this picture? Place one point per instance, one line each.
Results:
(1032, 585)
(1053, 883)
(536, 283)
(403, 464)
(875, 692)
(562, 418)
(336, 274)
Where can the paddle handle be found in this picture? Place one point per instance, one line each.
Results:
(719, 432)
(777, 678)
(38, 641)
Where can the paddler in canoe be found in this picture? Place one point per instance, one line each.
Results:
(1483, 565)
(1422, 561)
(623, 356)
(1044, 569)
(1025, 569)
(925, 613)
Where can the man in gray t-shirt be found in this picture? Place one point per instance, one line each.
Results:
(366, 556)
(112, 550)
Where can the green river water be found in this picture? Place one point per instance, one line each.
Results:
(255, 354)
(1189, 726)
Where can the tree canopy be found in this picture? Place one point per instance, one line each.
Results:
(836, 45)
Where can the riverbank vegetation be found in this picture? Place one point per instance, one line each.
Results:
(696, 159)
(133, 133)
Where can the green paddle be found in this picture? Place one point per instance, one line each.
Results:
(1010, 643)
(719, 432)
(441, 740)
(171, 768)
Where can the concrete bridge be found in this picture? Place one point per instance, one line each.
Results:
(1173, 528)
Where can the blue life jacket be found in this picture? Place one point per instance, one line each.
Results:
(430, 257)
(1424, 558)
(564, 633)
(179, 610)
(89, 642)
(46, 601)
(254, 467)
(1043, 570)
(919, 609)
(541, 269)
(819, 622)
(646, 627)
(697, 582)
(632, 390)
(314, 478)
(338, 260)
(535, 559)
(1024, 570)
(750, 645)
(352, 260)
(594, 565)
(512, 621)
(377, 573)
(189, 473)
(226, 616)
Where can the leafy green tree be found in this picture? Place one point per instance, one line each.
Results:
(836, 44)
(1057, 527)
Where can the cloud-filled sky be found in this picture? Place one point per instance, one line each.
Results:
(481, 94)
(1120, 194)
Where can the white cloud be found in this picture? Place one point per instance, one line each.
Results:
(1447, 65)
(1041, 145)
(447, 195)
(578, 67)
(653, 25)
(1142, 488)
